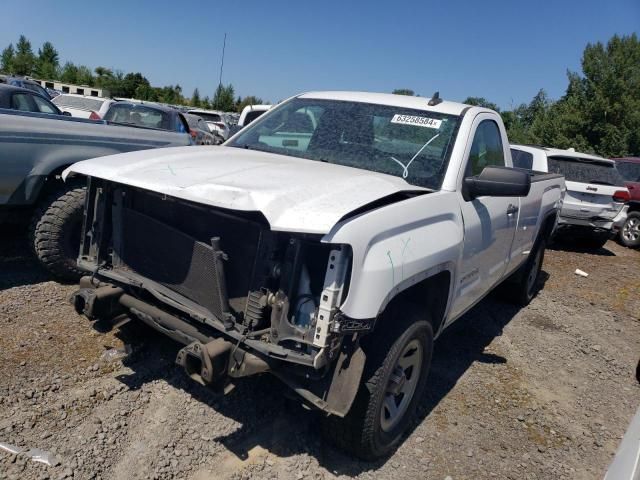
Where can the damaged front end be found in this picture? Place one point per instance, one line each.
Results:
(242, 298)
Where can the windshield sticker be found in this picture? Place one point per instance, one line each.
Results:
(417, 121)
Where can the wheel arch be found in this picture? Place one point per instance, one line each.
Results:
(429, 294)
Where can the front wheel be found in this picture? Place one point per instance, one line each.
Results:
(630, 232)
(398, 360)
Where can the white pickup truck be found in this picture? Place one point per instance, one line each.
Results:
(331, 261)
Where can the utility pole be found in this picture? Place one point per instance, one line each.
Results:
(224, 44)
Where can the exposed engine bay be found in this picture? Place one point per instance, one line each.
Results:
(219, 281)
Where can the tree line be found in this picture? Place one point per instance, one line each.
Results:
(599, 111)
(45, 65)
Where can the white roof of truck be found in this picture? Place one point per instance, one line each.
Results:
(403, 101)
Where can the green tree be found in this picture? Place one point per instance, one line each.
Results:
(195, 98)
(223, 99)
(69, 73)
(47, 62)
(6, 60)
(24, 61)
(481, 102)
(404, 91)
(248, 100)
(103, 77)
(85, 77)
(130, 84)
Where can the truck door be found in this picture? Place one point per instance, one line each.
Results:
(489, 222)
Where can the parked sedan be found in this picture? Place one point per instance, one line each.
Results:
(148, 115)
(200, 132)
(629, 168)
(17, 98)
(83, 106)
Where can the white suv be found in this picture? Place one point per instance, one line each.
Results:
(594, 205)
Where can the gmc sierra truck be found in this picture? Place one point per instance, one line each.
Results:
(328, 243)
(34, 150)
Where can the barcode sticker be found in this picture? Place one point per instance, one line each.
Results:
(416, 121)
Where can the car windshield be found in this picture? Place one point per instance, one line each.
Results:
(585, 170)
(140, 115)
(629, 171)
(81, 103)
(411, 144)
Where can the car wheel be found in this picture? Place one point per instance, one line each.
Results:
(56, 229)
(630, 232)
(523, 285)
(394, 380)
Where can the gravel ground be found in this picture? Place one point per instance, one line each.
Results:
(545, 392)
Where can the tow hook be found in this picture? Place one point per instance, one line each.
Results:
(101, 302)
(206, 363)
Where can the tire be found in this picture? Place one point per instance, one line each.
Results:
(55, 231)
(523, 286)
(368, 431)
(630, 231)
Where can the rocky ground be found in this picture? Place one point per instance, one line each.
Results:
(545, 392)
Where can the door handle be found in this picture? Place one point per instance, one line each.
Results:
(511, 209)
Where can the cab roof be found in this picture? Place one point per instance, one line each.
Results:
(390, 99)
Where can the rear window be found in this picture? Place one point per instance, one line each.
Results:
(209, 117)
(140, 115)
(252, 115)
(522, 159)
(81, 103)
(629, 171)
(585, 171)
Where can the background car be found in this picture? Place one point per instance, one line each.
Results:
(148, 115)
(593, 206)
(629, 168)
(200, 132)
(17, 98)
(215, 120)
(83, 106)
(248, 115)
(26, 83)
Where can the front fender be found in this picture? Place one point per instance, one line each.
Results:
(397, 246)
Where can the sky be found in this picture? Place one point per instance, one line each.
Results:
(504, 51)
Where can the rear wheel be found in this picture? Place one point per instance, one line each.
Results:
(630, 232)
(524, 285)
(398, 361)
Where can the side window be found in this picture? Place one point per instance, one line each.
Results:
(486, 148)
(522, 159)
(44, 106)
(23, 102)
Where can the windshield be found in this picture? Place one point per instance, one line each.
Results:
(629, 171)
(585, 171)
(138, 115)
(410, 144)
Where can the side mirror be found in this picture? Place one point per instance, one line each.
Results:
(66, 114)
(497, 182)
